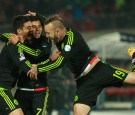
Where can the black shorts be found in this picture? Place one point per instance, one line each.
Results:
(32, 103)
(101, 76)
(7, 102)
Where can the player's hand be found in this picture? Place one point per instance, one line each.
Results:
(32, 73)
(30, 13)
(131, 50)
(13, 38)
(55, 55)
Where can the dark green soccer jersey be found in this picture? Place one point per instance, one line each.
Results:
(74, 53)
(35, 50)
(43, 48)
(11, 57)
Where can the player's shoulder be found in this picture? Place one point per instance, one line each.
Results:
(45, 39)
(73, 31)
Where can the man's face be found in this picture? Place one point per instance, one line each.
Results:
(51, 33)
(27, 31)
(37, 29)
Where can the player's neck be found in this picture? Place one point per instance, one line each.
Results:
(63, 33)
(21, 39)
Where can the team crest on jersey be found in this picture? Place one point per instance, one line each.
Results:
(67, 48)
(22, 57)
(43, 45)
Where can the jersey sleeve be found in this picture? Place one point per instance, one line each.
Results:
(16, 55)
(29, 50)
(4, 37)
(48, 65)
(36, 53)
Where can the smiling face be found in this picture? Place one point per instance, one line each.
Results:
(37, 29)
(26, 31)
(54, 28)
(52, 33)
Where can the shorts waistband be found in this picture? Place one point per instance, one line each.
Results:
(89, 67)
(34, 90)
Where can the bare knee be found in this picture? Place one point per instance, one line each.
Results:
(81, 109)
(130, 79)
(17, 112)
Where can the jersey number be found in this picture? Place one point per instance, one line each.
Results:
(39, 110)
(119, 74)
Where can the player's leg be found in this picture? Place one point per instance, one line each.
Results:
(39, 103)
(130, 79)
(81, 109)
(17, 112)
(8, 104)
(86, 95)
(24, 98)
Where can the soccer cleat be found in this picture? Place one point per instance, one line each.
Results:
(131, 50)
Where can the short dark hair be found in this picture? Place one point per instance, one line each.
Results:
(36, 18)
(18, 22)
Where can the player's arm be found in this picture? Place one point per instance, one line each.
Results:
(43, 50)
(16, 55)
(28, 50)
(11, 37)
(5, 37)
(52, 58)
(65, 53)
(41, 17)
(48, 64)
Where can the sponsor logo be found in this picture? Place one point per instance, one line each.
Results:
(44, 46)
(16, 102)
(22, 57)
(7, 108)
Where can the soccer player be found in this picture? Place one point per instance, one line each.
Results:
(91, 75)
(33, 94)
(34, 89)
(11, 57)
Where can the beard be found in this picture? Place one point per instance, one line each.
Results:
(55, 39)
(29, 36)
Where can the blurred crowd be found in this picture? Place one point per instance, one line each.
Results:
(85, 15)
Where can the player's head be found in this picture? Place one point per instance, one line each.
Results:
(22, 26)
(54, 28)
(37, 26)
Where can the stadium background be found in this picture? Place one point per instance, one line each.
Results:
(108, 28)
